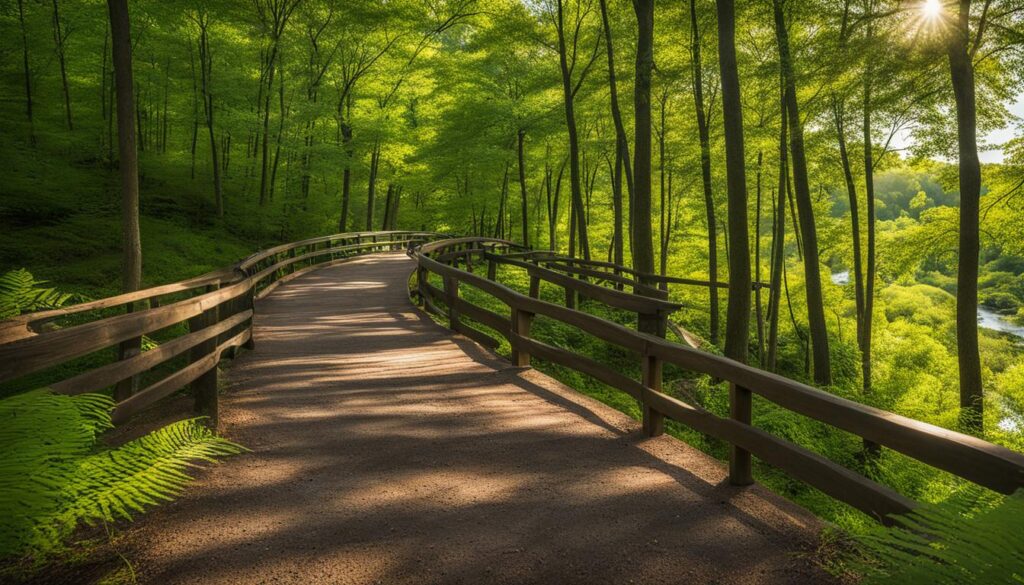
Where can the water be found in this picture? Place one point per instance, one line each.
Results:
(842, 277)
(989, 319)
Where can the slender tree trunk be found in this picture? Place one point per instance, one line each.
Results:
(28, 72)
(371, 192)
(869, 192)
(574, 148)
(206, 62)
(663, 220)
(705, 172)
(962, 74)
(805, 210)
(851, 190)
(128, 158)
(737, 323)
(265, 138)
(522, 187)
(778, 242)
(58, 40)
(758, 311)
(643, 246)
(622, 162)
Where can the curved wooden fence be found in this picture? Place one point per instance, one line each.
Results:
(968, 457)
(216, 307)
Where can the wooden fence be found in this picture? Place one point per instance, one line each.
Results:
(217, 308)
(968, 457)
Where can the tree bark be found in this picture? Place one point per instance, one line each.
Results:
(778, 241)
(58, 40)
(961, 71)
(521, 136)
(812, 270)
(206, 66)
(705, 172)
(28, 72)
(643, 245)
(622, 163)
(574, 148)
(737, 323)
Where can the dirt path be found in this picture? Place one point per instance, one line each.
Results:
(385, 450)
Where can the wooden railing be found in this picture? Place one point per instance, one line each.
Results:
(217, 308)
(968, 457)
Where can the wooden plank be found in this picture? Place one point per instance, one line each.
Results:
(33, 354)
(611, 297)
(992, 466)
(175, 381)
(484, 316)
(876, 500)
(104, 376)
(610, 277)
(582, 364)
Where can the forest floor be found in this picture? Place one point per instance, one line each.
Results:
(384, 449)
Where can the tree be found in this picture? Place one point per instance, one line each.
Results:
(704, 134)
(737, 316)
(568, 62)
(642, 243)
(805, 210)
(961, 51)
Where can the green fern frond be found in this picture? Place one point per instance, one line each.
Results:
(975, 537)
(20, 293)
(52, 478)
(144, 472)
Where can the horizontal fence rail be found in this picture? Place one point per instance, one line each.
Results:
(216, 309)
(968, 457)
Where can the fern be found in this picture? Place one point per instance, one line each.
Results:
(975, 537)
(53, 477)
(20, 293)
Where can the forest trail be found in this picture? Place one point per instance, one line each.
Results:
(387, 450)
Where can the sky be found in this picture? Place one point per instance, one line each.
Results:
(1001, 136)
(996, 138)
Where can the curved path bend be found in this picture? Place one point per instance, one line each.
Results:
(387, 450)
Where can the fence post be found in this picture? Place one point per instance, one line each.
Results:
(451, 294)
(204, 387)
(653, 421)
(535, 287)
(570, 298)
(521, 322)
(739, 459)
(492, 269)
(126, 350)
(250, 303)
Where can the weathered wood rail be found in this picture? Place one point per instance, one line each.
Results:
(217, 308)
(968, 457)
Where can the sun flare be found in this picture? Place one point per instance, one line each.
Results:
(931, 8)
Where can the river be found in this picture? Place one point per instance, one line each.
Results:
(987, 318)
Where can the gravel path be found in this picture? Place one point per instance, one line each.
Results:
(386, 450)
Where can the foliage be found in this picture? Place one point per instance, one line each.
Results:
(973, 537)
(54, 476)
(20, 293)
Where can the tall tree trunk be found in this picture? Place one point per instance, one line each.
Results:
(705, 171)
(805, 210)
(778, 241)
(371, 192)
(265, 137)
(622, 162)
(758, 311)
(737, 323)
(643, 246)
(574, 148)
(28, 72)
(869, 193)
(522, 188)
(961, 71)
(58, 41)
(206, 62)
(839, 114)
(666, 211)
